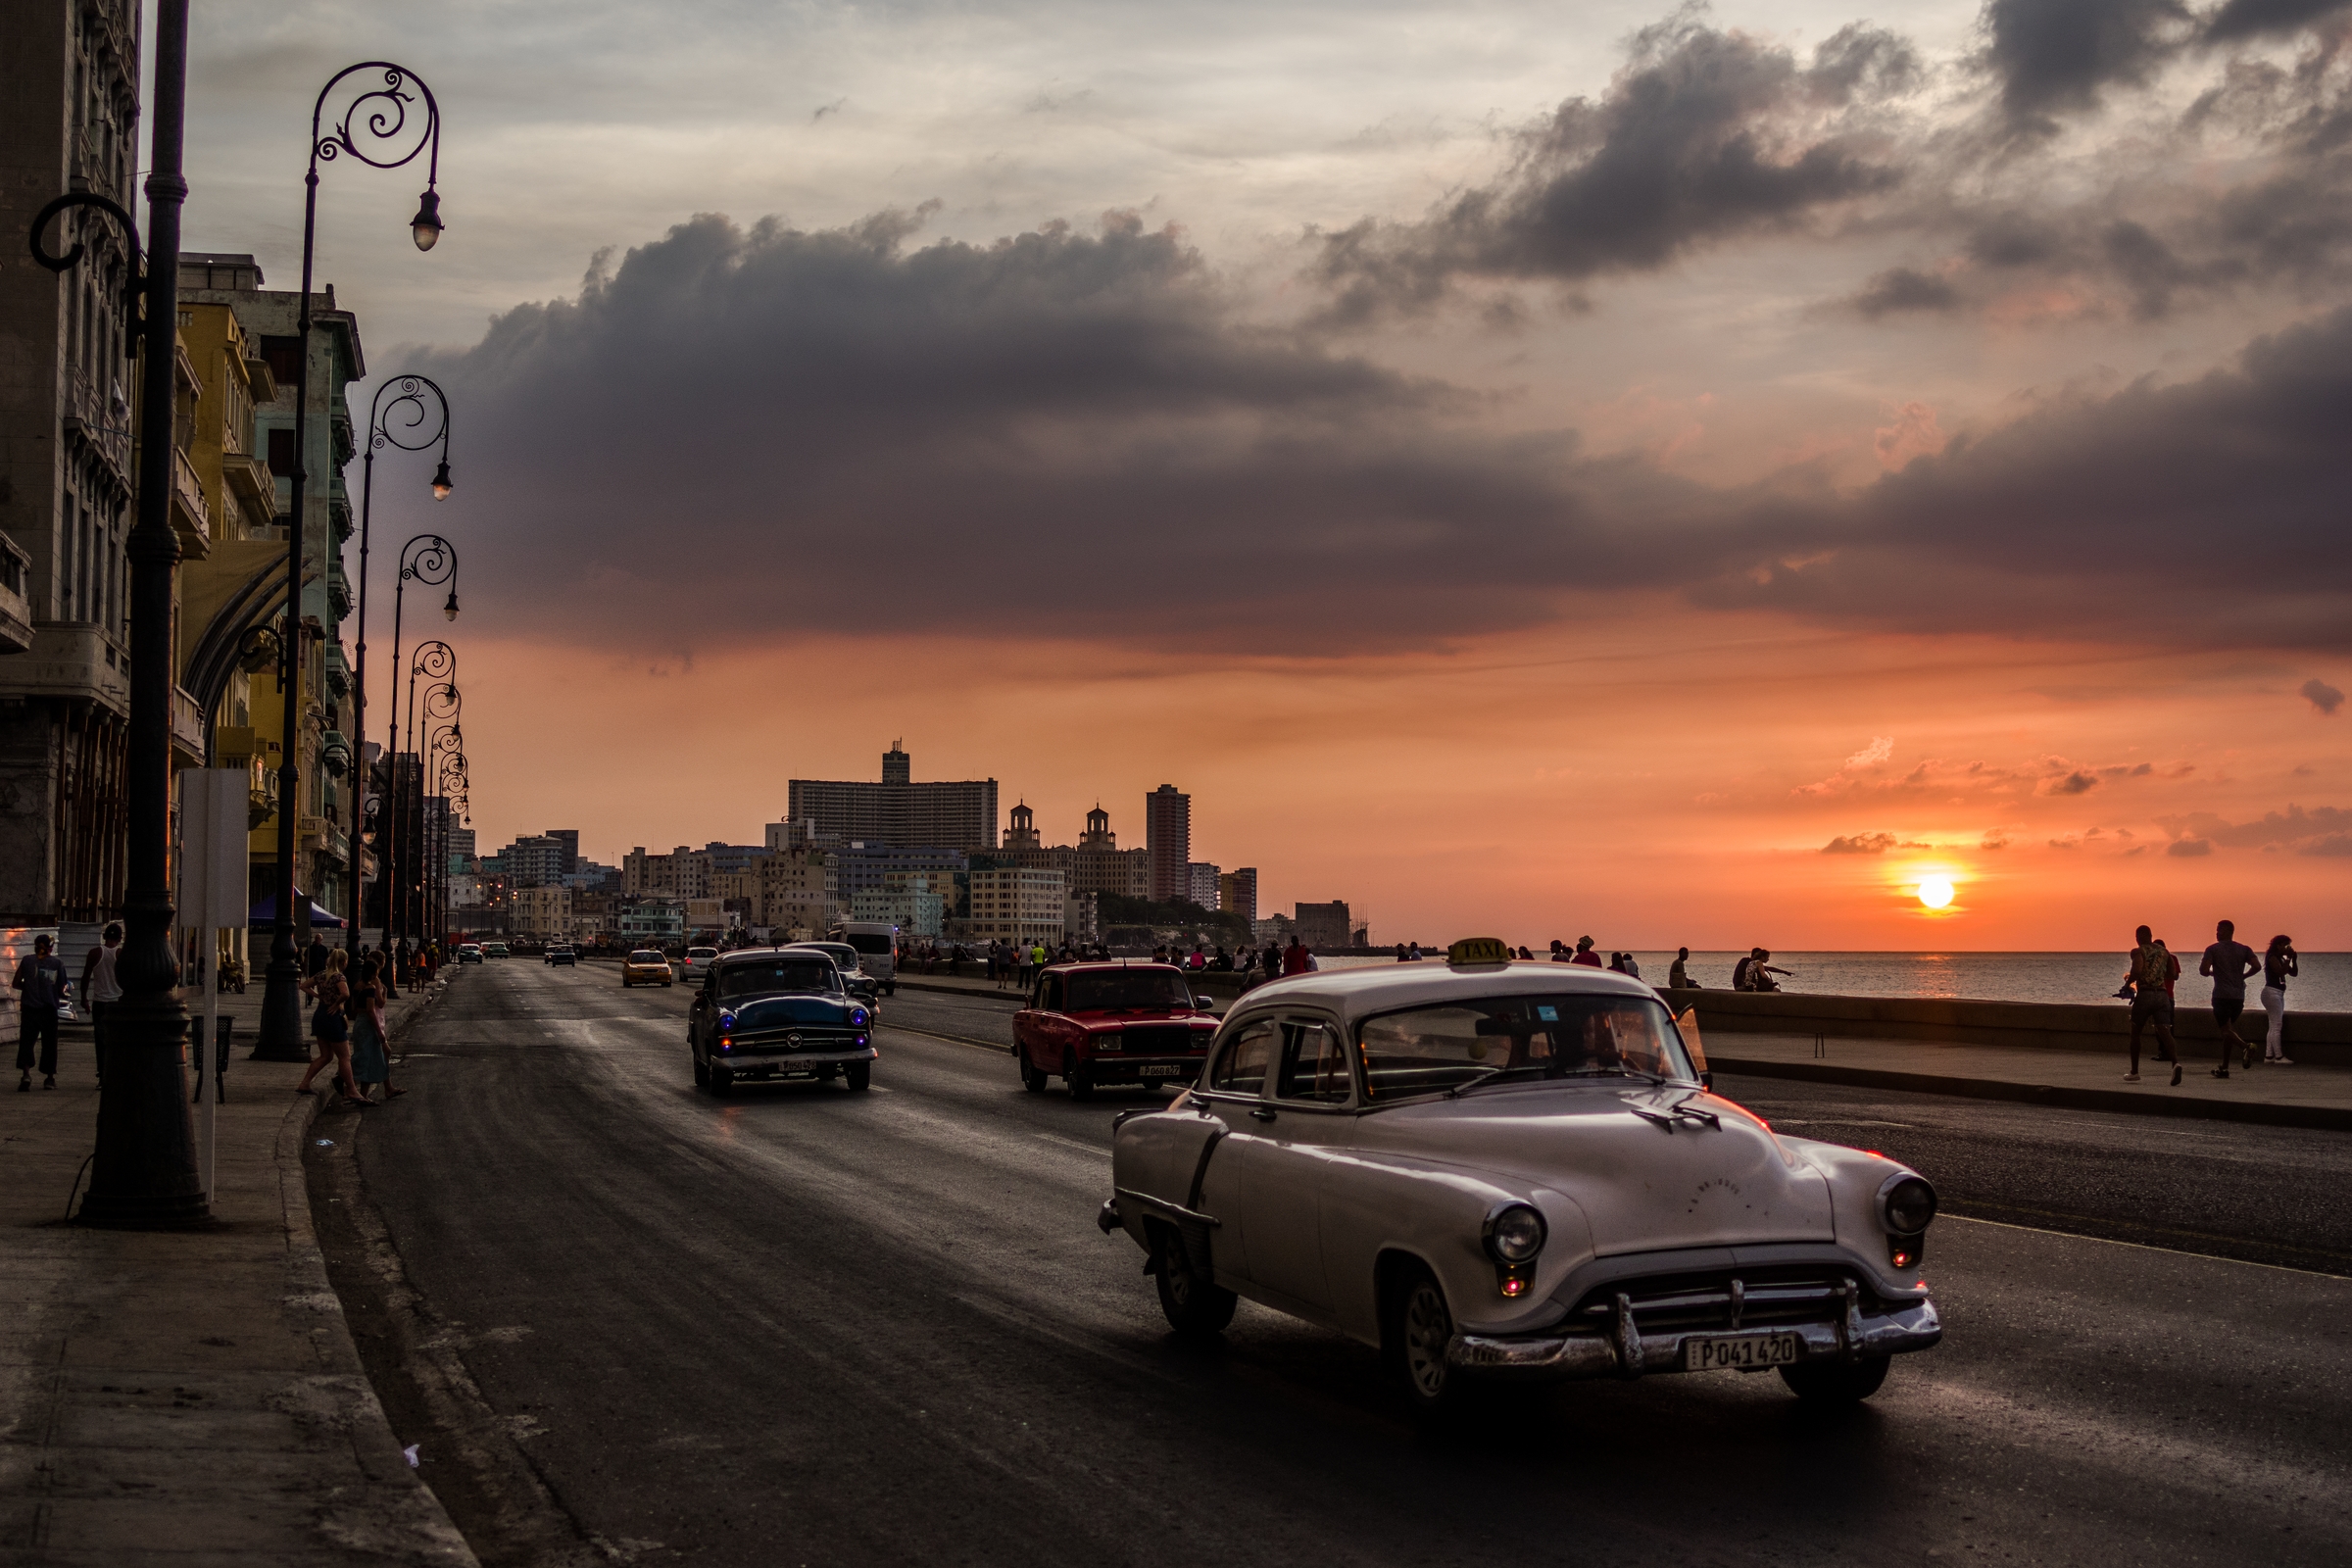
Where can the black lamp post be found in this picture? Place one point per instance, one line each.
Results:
(403, 423)
(372, 130)
(436, 663)
(432, 561)
(446, 758)
(143, 1172)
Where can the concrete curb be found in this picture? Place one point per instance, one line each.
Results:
(2258, 1112)
(414, 1526)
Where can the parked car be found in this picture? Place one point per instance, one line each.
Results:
(1516, 1171)
(494, 950)
(779, 1013)
(470, 952)
(646, 968)
(562, 955)
(1095, 1025)
(846, 958)
(696, 964)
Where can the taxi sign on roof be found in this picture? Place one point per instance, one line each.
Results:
(1478, 950)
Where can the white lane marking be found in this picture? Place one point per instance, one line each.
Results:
(2109, 1241)
(1096, 1149)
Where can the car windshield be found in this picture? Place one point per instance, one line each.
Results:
(1129, 990)
(775, 976)
(870, 940)
(1519, 1039)
(641, 955)
(840, 952)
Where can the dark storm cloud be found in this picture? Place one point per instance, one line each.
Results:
(739, 435)
(1704, 136)
(2322, 695)
(2058, 56)
(2208, 512)
(1901, 289)
(2251, 18)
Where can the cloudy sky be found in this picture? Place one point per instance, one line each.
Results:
(1681, 475)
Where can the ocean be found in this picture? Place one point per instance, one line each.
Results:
(2325, 985)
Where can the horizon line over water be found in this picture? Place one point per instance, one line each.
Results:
(2324, 986)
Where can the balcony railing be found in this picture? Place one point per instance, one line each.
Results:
(191, 515)
(98, 418)
(187, 726)
(77, 660)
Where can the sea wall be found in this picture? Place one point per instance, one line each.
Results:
(2322, 1038)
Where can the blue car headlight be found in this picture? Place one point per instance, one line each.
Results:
(858, 1017)
(726, 1020)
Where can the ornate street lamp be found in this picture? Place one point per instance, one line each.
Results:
(435, 662)
(143, 1172)
(431, 560)
(373, 129)
(411, 425)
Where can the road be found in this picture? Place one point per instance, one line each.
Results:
(806, 1326)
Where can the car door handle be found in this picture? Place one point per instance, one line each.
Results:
(1263, 1114)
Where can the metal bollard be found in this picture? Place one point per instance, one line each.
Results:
(1820, 1046)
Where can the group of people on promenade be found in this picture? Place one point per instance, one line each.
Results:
(2230, 963)
(44, 992)
(348, 1030)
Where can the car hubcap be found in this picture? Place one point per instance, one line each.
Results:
(1427, 1331)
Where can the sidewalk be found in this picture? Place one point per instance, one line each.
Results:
(2301, 1096)
(190, 1397)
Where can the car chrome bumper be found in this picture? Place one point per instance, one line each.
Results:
(1623, 1351)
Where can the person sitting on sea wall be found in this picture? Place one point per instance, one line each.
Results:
(1679, 978)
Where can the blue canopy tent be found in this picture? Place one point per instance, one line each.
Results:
(265, 913)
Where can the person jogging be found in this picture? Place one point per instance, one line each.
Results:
(2229, 961)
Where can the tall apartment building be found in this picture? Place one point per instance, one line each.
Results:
(570, 838)
(1237, 893)
(1168, 835)
(533, 862)
(898, 810)
(1201, 879)
(69, 111)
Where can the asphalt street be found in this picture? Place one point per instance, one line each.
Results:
(808, 1326)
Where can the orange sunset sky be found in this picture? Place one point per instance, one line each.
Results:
(1681, 475)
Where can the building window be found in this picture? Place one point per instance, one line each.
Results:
(282, 451)
(284, 355)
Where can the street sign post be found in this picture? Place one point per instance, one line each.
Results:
(213, 888)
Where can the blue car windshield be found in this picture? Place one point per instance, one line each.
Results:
(773, 977)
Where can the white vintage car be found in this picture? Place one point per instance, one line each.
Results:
(1515, 1169)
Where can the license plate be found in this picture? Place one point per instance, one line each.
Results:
(1742, 1351)
(1158, 1073)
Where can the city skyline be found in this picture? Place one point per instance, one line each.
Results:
(1691, 475)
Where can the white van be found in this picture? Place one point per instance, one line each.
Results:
(877, 944)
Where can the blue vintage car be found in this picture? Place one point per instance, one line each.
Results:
(778, 1012)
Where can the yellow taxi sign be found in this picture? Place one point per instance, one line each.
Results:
(1479, 950)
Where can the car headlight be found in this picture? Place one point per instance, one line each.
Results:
(1111, 1041)
(1910, 1204)
(858, 1018)
(726, 1020)
(1515, 1233)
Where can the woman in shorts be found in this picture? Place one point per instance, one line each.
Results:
(330, 1028)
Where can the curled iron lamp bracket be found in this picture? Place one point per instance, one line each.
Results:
(135, 277)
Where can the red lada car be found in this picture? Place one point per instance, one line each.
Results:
(1099, 1024)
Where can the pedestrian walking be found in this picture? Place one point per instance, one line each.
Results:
(370, 1048)
(314, 956)
(2278, 966)
(42, 979)
(1678, 978)
(2229, 961)
(330, 1030)
(100, 989)
(2153, 969)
